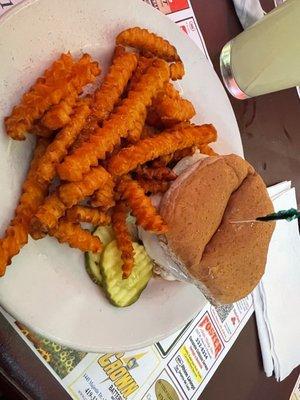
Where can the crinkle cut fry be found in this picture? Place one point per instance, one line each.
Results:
(205, 149)
(67, 196)
(118, 51)
(33, 194)
(173, 111)
(88, 129)
(123, 237)
(174, 157)
(113, 85)
(142, 65)
(108, 95)
(63, 78)
(75, 236)
(59, 115)
(134, 134)
(47, 216)
(153, 119)
(153, 186)
(142, 39)
(148, 131)
(104, 139)
(170, 91)
(153, 116)
(171, 108)
(165, 143)
(177, 70)
(73, 192)
(104, 197)
(179, 154)
(146, 214)
(23, 114)
(58, 149)
(40, 130)
(87, 214)
(160, 173)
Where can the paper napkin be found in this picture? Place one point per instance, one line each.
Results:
(277, 297)
(248, 11)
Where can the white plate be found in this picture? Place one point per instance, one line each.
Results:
(47, 287)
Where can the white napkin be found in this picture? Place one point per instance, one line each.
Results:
(248, 11)
(277, 297)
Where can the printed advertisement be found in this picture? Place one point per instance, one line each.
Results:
(169, 6)
(6, 4)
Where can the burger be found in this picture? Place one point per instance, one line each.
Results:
(210, 242)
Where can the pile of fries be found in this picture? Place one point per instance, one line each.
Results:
(108, 150)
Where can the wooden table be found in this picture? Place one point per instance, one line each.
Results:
(270, 129)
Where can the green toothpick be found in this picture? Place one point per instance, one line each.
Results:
(287, 215)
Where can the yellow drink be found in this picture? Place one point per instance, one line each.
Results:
(265, 57)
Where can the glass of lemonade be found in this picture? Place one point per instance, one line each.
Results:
(266, 56)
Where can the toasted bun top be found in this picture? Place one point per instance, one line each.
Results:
(227, 258)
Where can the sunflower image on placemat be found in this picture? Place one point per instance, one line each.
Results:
(61, 359)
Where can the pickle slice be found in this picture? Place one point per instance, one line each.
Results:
(92, 260)
(124, 292)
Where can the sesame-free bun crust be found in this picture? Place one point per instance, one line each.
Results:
(199, 208)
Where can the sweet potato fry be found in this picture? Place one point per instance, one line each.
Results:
(153, 186)
(24, 114)
(104, 197)
(89, 127)
(134, 134)
(123, 237)
(146, 214)
(58, 149)
(170, 91)
(33, 194)
(177, 70)
(73, 192)
(123, 120)
(165, 143)
(162, 161)
(67, 196)
(179, 154)
(60, 115)
(40, 130)
(153, 119)
(75, 236)
(108, 94)
(174, 111)
(113, 85)
(47, 216)
(59, 81)
(118, 51)
(205, 149)
(87, 214)
(144, 40)
(149, 131)
(142, 65)
(159, 173)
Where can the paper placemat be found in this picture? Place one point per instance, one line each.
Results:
(178, 367)
(296, 392)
